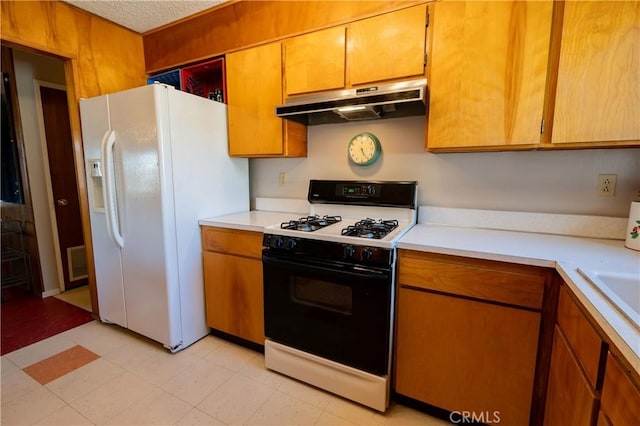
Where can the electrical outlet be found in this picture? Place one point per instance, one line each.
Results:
(282, 178)
(607, 185)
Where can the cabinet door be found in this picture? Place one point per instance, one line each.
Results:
(463, 355)
(234, 295)
(582, 337)
(620, 396)
(254, 88)
(598, 88)
(315, 61)
(388, 46)
(487, 73)
(570, 399)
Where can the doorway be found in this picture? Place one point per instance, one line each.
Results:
(40, 81)
(28, 311)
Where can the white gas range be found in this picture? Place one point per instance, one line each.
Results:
(329, 287)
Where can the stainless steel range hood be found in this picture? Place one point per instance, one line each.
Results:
(400, 99)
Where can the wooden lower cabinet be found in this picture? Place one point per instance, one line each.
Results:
(233, 282)
(570, 398)
(620, 396)
(467, 335)
(466, 356)
(581, 337)
(575, 374)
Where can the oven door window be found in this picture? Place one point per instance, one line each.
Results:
(336, 311)
(321, 294)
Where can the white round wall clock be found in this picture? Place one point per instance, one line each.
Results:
(364, 149)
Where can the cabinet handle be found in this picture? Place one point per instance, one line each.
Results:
(62, 202)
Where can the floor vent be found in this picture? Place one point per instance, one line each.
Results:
(77, 257)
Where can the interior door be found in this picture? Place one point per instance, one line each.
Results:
(64, 187)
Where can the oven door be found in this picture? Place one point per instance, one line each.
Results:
(335, 310)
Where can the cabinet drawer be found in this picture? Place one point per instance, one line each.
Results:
(581, 335)
(620, 397)
(519, 285)
(232, 241)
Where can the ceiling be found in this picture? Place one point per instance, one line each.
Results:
(144, 15)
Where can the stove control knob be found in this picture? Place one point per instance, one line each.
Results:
(278, 242)
(367, 253)
(349, 251)
(291, 244)
(371, 190)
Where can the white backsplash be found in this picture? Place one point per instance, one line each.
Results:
(530, 181)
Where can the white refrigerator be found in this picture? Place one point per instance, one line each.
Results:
(156, 162)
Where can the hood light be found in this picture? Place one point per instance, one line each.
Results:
(351, 108)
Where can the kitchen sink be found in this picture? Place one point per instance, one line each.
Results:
(623, 290)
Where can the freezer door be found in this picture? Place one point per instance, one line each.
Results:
(142, 157)
(94, 115)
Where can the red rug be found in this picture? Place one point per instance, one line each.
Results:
(27, 319)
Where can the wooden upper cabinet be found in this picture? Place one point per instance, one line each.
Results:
(315, 61)
(254, 88)
(486, 72)
(598, 86)
(386, 47)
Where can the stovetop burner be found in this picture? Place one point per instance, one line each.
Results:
(370, 228)
(310, 223)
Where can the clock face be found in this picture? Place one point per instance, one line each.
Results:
(364, 149)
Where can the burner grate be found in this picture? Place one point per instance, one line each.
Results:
(310, 223)
(370, 228)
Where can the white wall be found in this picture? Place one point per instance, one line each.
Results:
(29, 67)
(534, 181)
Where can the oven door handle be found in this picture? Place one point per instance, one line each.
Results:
(359, 271)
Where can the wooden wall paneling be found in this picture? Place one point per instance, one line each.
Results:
(246, 23)
(109, 57)
(100, 57)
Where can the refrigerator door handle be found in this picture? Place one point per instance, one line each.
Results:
(110, 199)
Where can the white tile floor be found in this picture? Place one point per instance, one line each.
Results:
(137, 382)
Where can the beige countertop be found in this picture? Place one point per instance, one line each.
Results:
(564, 253)
(250, 220)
